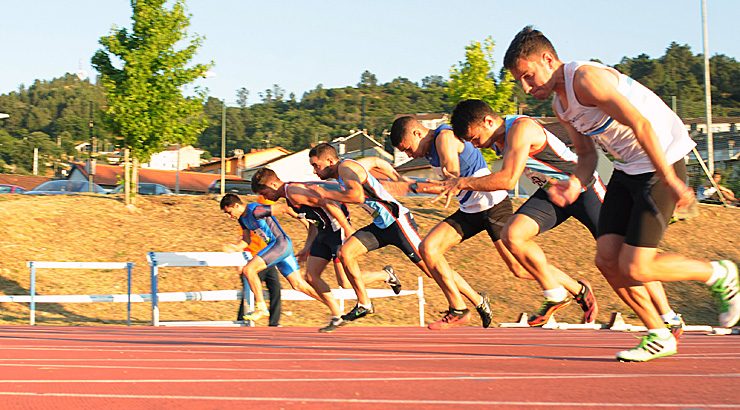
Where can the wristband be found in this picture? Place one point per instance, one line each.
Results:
(414, 187)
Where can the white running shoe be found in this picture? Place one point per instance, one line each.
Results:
(651, 347)
(725, 292)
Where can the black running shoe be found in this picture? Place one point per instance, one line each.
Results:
(484, 310)
(357, 312)
(392, 280)
(334, 323)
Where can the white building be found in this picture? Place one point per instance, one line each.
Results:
(173, 158)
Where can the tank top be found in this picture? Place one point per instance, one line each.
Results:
(317, 215)
(382, 206)
(268, 228)
(619, 140)
(472, 164)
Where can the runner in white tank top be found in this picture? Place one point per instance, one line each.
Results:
(648, 145)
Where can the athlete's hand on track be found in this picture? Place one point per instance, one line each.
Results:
(564, 192)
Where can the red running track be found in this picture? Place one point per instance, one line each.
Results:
(355, 368)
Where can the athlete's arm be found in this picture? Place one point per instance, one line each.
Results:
(598, 87)
(382, 166)
(353, 175)
(246, 239)
(523, 135)
(302, 255)
(301, 195)
(565, 192)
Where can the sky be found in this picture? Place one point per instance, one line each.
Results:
(299, 44)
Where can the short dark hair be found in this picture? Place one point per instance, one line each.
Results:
(400, 128)
(261, 178)
(525, 43)
(467, 113)
(230, 200)
(322, 150)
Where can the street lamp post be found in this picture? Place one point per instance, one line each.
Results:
(91, 160)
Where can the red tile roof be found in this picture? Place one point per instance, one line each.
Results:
(112, 175)
(23, 181)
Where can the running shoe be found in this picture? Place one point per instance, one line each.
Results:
(392, 280)
(334, 323)
(547, 309)
(586, 299)
(451, 318)
(676, 325)
(357, 312)
(651, 347)
(725, 292)
(256, 314)
(484, 310)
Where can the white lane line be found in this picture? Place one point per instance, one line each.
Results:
(372, 379)
(287, 400)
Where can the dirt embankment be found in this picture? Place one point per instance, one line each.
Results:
(98, 228)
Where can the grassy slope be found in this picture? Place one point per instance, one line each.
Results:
(85, 228)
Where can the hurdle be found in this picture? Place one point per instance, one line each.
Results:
(222, 259)
(32, 298)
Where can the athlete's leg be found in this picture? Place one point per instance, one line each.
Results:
(646, 265)
(438, 241)
(658, 296)
(350, 251)
(314, 267)
(298, 283)
(518, 237)
(609, 253)
(251, 272)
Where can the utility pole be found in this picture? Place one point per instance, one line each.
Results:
(707, 88)
(91, 161)
(362, 129)
(223, 150)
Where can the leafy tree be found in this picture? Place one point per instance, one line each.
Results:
(474, 78)
(367, 79)
(146, 104)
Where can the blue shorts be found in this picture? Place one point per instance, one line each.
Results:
(280, 255)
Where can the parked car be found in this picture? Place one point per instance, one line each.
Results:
(146, 188)
(232, 187)
(65, 187)
(11, 189)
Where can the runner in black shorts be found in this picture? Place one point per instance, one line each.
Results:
(329, 223)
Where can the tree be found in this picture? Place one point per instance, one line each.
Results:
(474, 78)
(367, 79)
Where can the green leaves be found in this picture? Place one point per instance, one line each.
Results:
(144, 76)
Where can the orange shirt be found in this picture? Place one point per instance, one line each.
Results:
(256, 243)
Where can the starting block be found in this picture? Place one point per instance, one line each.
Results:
(616, 322)
(581, 326)
(723, 331)
(522, 322)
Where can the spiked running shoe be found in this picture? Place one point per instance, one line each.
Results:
(450, 319)
(392, 280)
(650, 347)
(586, 299)
(484, 310)
(725, 292)
(334, 323)
(256, 314)
(547, 309)
(357, 312)
(676, 326)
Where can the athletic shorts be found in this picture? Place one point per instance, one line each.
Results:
(638, 207)
(403, 234)
(326, 244)
(280, 255)
(492, 220)
(548, 215)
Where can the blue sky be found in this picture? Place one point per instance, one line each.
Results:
(299, 44)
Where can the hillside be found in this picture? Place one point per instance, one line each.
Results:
(98, 228)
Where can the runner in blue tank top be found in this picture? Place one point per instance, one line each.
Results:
(278, 252)
(478, 211)
(330, 225)
(392, 222)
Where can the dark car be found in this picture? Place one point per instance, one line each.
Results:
(146, 188)
(11, 189)
(65, 187)
(232, 187)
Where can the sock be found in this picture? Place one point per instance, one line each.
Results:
(668, 316)
(370, 306)
(556, 295)
(458, 312)
(262, 306)
(480, 303)
(718, 271)
(662, 333)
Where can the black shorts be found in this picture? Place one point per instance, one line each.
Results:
(492, 220)
(403, 234)
(548, 215)
(326, 244)
(638, 207)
